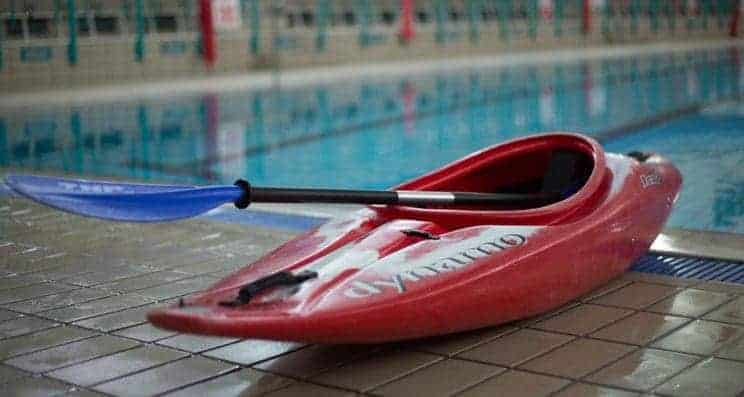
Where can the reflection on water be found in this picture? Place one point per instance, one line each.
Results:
(373, 133)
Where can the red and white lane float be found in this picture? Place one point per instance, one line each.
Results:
(431, 264)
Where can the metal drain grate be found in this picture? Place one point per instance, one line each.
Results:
(690, 267)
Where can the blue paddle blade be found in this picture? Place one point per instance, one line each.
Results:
(122, 201)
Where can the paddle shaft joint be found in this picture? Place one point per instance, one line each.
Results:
(245, 199)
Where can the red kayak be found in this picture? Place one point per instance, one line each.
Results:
(392, 272)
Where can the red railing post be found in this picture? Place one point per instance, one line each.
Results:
(586, 20)
(735, 18)
(208, 36)
(407, 32)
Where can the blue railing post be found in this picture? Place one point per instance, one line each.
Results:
(4, 154)
(254, 22)
(365, 19)
(440, 17)
(2, 51)
(77, 137)
(321, 38)
(72, 32)
(532, 19)
(143, 123)
(504, 11)
(474, 17)
(57, 16)
(139, 30)
(671, 14)
(635, 14)
(558, 18)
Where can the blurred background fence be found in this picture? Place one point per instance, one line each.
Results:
(67, 43)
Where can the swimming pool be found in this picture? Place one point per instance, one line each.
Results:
(374, 132)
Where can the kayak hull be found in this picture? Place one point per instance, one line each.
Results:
(461, 270)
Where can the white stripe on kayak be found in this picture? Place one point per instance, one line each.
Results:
(414, 197)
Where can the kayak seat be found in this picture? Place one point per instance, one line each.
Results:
(567, 172)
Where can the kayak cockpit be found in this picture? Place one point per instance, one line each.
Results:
(570, 166)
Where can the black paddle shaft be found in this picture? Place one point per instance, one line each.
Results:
(413, 198)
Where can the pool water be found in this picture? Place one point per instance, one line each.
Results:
(708, 149)
(378, 132)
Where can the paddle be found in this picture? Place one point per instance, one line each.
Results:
(155, 203)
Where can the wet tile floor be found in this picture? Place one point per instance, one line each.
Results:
(74, 293)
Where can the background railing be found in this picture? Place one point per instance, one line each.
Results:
(64, 43)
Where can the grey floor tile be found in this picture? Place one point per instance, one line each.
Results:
(453, 344)
(178, 288)
(41, 340)
(24, 325)
(8, 373)
(145, 333)
(376, 370)
(711, 377)
(8, 315)
(32, 387)
(586, 390)
(313, 360)
(252, 351)
(78, 392)
(643, 369)
(700, 337)
(117, 320)
(195, 343)
(309, 390)
(32, 291)
(165, 378)
(71, 353)
(96, 307)
(55, 301)
(109, 275)
(244, 383)
(517, 383)
(443, 378)
(144, 281)
(211, 265)
(116, 365)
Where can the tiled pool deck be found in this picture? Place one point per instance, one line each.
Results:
(74, 293)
